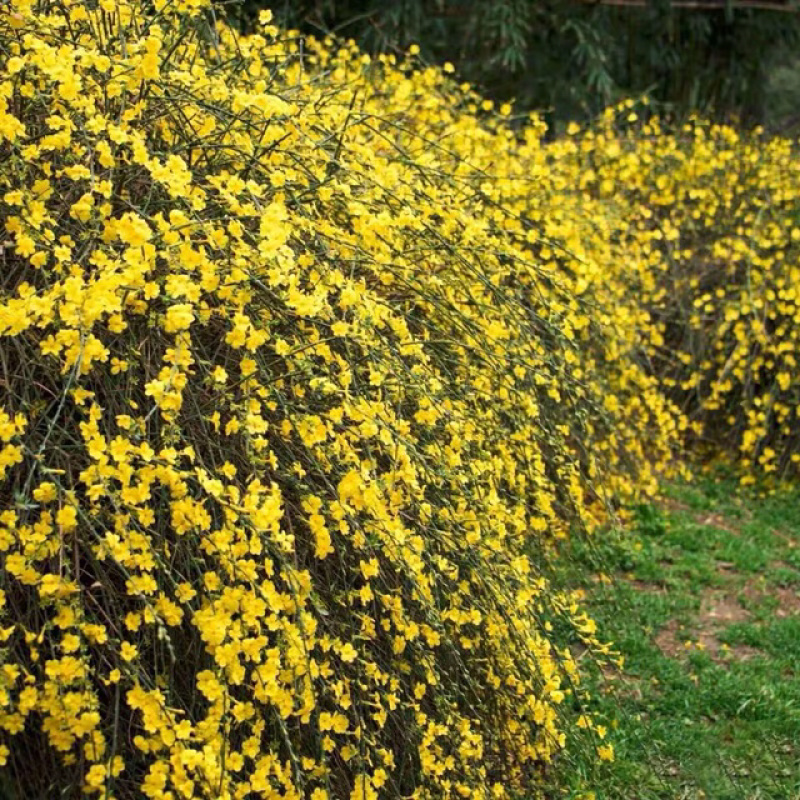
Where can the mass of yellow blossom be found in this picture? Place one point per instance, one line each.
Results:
(307, 359)
(706, 230)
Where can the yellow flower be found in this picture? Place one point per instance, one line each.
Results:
(348, 653)
(45, 492)
(606, 752)
(179, 317)
(128, 651)
(67, 518)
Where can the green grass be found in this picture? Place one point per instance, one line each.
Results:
(714, 565)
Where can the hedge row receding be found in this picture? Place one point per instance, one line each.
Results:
(307, 360)
(707, 224)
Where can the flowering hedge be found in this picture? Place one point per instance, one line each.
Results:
(688, 240)
(705, 224)
(307, 360)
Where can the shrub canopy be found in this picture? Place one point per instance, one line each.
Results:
(307, 359)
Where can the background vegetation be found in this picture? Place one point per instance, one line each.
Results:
(568, 60)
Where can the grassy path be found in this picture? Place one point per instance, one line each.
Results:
(703, 600)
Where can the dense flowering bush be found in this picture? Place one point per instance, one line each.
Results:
(293, 402)
(307, 360)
